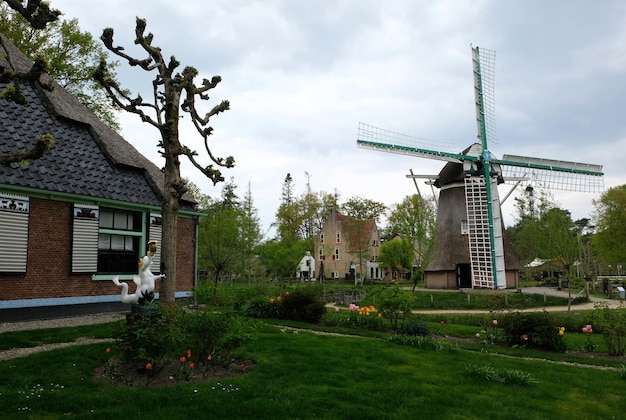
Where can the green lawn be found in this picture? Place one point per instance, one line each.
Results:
(302, 375)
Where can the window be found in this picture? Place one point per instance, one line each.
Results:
(338, 240)
(322, 238)
(119, 235)
(464, 227)
(336, 255)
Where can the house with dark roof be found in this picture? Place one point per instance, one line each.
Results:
(345, 247)
(83, 212)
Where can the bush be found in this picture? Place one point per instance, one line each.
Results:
(303, 305)
(534, 329)
(395, 304)
(611, 323)
(159, 334)
(414, 327)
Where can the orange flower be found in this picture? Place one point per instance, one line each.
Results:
(209, 357)
(192, 365)
(108, 349)
(279, 298)
(286, 293)
(182, 359)
(148, 366)
(188, 353)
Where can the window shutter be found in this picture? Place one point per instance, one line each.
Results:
(13, 233)
(85, 238)
(155, 234)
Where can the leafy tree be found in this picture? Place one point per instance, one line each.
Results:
(219, 240)
(281, 257)
(173, 93)
(250, 230)
(38, 14)
(360, 208)
(545, 231)
(396, 255)
(414, 219)
(610, 219)
(71, 57)
(287, 216)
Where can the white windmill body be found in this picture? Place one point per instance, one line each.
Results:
(470, 245)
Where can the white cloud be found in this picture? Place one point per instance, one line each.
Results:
(301, 75)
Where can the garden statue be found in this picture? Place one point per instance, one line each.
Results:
(144, 281)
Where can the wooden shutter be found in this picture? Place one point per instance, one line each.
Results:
(85, 238)
(14, 212)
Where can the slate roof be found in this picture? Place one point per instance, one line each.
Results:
(87, 158)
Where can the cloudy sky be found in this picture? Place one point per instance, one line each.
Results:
(301, 75)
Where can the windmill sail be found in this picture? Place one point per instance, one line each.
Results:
(480, 174)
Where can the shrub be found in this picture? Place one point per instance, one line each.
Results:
(303, 305)
(264, 308)
(156, 336)
(489, 373)
(535, 329)
(395, 304)
(414, 327)
(611, 323)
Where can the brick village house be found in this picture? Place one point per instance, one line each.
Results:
(343, 244)
(81, 213)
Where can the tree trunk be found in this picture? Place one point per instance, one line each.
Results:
(169, 209)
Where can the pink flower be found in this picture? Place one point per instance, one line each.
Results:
(353, 308)
(525, 337)
(495, 322)
(477, 335)
(442, 322)
(337, 310)
(588, 329)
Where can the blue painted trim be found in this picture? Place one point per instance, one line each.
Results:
(78, 300)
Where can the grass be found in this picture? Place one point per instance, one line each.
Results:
(302, 375)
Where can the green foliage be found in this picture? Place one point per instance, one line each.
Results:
(303, 305)
(414, 327)
(71, 57)
(487, 372)
(396, 255)
(157, 335)
(611, 323)
(281, 257)
(264, 308)
(422, 342)
(533, 329)
(355, 320)
(610, 219)
(395, 304)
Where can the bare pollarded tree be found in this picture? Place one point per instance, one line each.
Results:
(173, 93)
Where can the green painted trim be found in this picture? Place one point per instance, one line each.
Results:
(76, 198)
(432, 153)
(547, 167)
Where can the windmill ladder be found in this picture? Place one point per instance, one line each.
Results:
(478, 235)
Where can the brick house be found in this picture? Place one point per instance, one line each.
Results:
(343, 244)
(80, 214)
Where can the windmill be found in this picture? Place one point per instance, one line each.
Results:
(473, 176)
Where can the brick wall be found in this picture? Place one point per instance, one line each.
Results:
(48, 273)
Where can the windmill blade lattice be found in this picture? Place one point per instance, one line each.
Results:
(554, 174)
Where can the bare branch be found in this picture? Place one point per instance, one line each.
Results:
(44, 143)
(36, 12)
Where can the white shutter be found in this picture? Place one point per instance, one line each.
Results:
(85, 238)
(156, 234)
(13, 233)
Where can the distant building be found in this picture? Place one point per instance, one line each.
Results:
(343, 243)
(83, 212)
